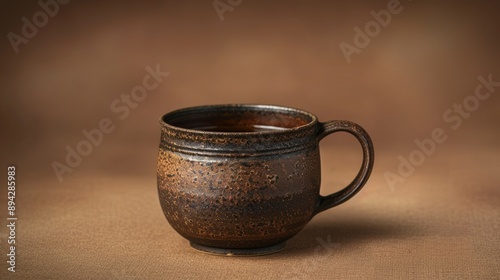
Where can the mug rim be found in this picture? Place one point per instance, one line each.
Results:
(214, 107)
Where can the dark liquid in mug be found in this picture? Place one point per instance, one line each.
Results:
(235, 128)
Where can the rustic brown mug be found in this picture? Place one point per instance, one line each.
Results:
(243, 179)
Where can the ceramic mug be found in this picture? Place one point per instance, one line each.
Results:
(243, 179)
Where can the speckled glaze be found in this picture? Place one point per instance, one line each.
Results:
(236, 191)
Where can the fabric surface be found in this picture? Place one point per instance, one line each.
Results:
(425, 87)
(442, 223)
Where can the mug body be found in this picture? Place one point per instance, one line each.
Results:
(238, 178)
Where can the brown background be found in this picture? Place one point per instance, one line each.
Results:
(103, 221)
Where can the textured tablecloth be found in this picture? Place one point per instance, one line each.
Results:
(442, 223)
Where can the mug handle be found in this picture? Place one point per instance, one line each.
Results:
(327, 128)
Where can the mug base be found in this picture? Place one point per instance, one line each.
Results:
(239, 252)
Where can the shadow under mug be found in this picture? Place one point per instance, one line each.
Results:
(243, 179)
